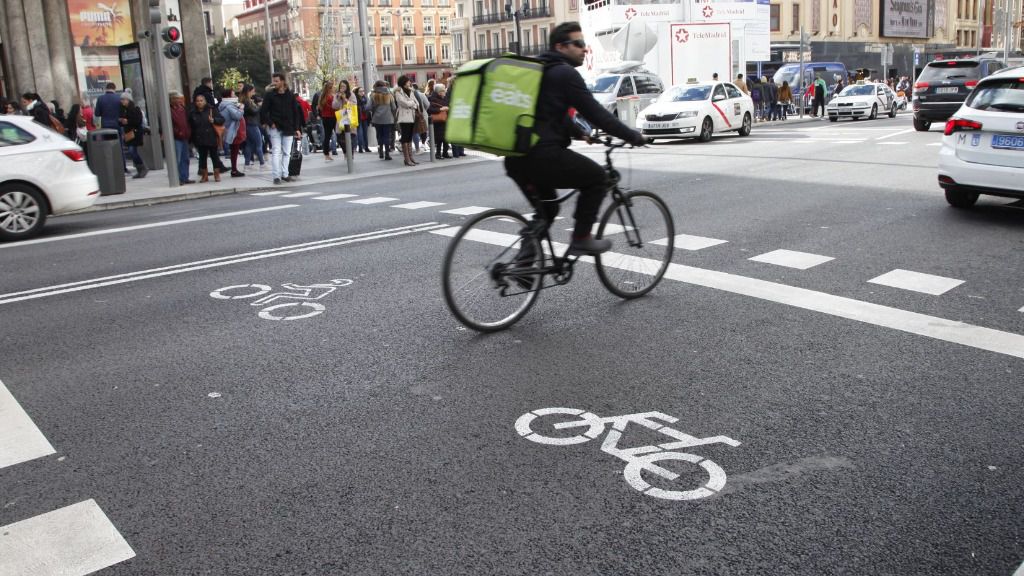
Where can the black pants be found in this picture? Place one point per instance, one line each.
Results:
(440, 145)
(819, 101)
(329, 125)
(546, 168)
(213, 154)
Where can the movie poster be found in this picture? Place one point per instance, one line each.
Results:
(100, 23)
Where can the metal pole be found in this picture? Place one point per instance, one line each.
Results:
(981, 24)
(800, 87)
(163, 107)
(519, 34)
(270, 47)
(364, 43)
(1008, 16)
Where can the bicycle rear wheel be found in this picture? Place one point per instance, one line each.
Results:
(479, 281)
(644, 235)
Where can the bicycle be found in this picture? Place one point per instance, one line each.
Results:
(488, 292)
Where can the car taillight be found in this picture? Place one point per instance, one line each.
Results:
(921, 86)
(971, 83)
(961, 125)
(76, 155)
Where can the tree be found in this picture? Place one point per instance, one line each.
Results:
(246, 54)
(231, 77)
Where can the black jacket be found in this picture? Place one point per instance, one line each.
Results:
(282, 111)
(203, 133)
(133, 114)
(563, 88)
(207, 92)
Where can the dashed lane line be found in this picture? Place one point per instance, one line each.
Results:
(900, 133)
(917, 282)
(213, 263)
(953, 331)
(792, 259)
(374, 200)
(418, 205)
(144, 226)
(72, 541)
(299, 194)
(20, 439)
(335, 196)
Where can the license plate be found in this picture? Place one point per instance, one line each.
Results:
(657, 125)
(947, 90)
(1008, 142)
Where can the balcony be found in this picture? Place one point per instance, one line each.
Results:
(529, 50)
(387, 33)
(538, 12)
(460, 23)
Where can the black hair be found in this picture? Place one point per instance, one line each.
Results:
(560, 34)
(278, 75)
(111, 86)
(226, 93)
(403, 79)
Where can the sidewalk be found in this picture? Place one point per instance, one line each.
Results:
(154, 189)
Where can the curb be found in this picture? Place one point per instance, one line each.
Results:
(153, 200)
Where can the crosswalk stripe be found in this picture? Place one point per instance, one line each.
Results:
(467, 211)
(20, 439)
(792, 259)
(688, 242)
(609, 229)
(272, 193)
(891, 143)
(373, 200)
(335, 196)
(72, 541)
(299, 194)
(934, 144)
(917, 282)
(953, 331)
(418, 205)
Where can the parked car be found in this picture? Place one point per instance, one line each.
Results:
(862, 100)
(697, 110)
(983, 144)
(943, 86)
(608, 88)
(42, 173)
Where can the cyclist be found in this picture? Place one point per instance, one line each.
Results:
(550, 164)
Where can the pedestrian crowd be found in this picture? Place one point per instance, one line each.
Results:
(216, 127)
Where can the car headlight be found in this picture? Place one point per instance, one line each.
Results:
(687, 114)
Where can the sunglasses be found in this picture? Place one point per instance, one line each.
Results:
(579, 43)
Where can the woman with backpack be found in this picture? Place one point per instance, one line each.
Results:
(383, 113)
(408, 104)
(202, 119)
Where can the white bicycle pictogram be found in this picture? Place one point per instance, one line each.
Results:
(638, 459)
(299, 298)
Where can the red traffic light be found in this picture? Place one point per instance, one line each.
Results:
(171, 34)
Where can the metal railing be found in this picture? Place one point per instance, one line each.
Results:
(528, 50)
(538, 12)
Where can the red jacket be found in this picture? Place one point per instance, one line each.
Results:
(179, 122)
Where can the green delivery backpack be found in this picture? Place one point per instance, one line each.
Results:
(493, 104)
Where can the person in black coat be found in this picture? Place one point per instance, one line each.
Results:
(206, 89)
(201, 120)
(34, 106)
(132, 124)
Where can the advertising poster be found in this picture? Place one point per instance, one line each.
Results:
(906, 18)
(131, 73)
(100, 23)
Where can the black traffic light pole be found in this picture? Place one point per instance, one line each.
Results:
(162, 101)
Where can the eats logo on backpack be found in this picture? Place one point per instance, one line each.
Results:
(493, 105)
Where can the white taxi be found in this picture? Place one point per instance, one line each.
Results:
(697, 110)
(862, 100)
(983, 144)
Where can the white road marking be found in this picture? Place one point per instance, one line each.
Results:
(792, 259)
(299, 194)
(916, 281)
(609, 229)
(418, 205)
(467, 211)
(272, 193)
(891, 143)
(373, 200)
(934, 144)
(688, 242)
(978, 337)
(213, 263)
(335, 196)
(20, 439)
(70, 541)
(1019, 571)
(143, 226)
(900, 133)
(1021, 309)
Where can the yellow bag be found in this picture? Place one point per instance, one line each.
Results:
(353, 116)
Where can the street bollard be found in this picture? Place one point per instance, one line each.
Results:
(348, 150)
(430, 134)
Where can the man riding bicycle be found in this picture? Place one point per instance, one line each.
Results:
(550, 164)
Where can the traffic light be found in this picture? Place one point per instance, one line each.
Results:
(171, 35)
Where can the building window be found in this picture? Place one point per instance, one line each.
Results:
(775, 17)
(424, 3)
(481, 41)
(446, 52)
(369, 26)
(408, 53)
(428, 24)
(796, 17)
(385, 25)
(497, 41)
(387, 54)
(444, 24)
(407, 25)
(429, 52)
(208, 21)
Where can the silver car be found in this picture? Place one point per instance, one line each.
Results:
(607, 88)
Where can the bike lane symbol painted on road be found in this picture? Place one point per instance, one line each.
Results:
(297, 302)
(641, 458)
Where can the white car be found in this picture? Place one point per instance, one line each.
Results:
(697, 110)
(41, 173)
(983, 144)
(863, 100)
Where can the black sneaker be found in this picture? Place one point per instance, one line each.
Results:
(589, 245)
(277, 180)
(286, 178)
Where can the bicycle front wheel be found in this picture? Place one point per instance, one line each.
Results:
(479, 278)
(644, 237)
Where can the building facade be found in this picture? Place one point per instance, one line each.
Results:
(411, 37)
(489, 28)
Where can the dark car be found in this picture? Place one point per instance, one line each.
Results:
(944, 85)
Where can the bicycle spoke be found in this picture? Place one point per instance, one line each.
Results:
(635, 266)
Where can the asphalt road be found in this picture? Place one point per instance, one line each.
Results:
(877, 426)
